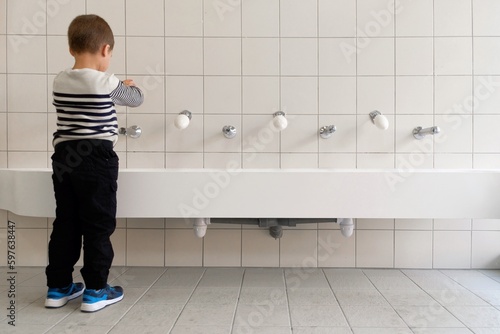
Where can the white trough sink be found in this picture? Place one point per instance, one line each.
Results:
(273, 193)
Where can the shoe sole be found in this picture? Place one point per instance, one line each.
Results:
(88, 308)
(56, 303)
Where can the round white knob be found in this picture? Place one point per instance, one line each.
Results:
(200, 226)
(280, 122)
(181, 121)
(200, 231)
(381, 122)
(346, 226)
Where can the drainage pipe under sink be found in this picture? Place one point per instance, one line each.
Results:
(274, 224)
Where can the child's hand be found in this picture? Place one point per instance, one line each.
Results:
(129, 82)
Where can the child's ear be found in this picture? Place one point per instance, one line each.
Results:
(105, 50)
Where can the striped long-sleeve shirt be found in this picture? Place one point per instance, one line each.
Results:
(85, 103)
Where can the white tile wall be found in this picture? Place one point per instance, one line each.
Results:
(299, 56)
(414, 94)
(332, 59)
(414, 56)
(452, 161)
(482, 244)
(18, 85)
(3, 17)
(375, 248)
(453, 55)
(259, 18)
(484, 60)
(453, 17)
(222, 248)
(375, 56)
(182, 249)
(488, 97)
(258, 249)
(183, 18)
(299, 18)
(136, 12)
(484, 24)
(376, 18)
(337, 95)
(222, 95)
(334, 250)
(414, 18)
(260, 56)
(456, 254)
(420, 63)
(3, 130)
(298, 248)
(31, 246)
(337, 18)
(145, 247)
(413, 249)
(184, 56)
(222, 56)
(3, 159)
(221, 22)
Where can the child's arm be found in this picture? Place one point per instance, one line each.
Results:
(127, 94)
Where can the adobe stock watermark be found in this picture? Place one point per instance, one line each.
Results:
(265, 309)
(37, 22)
(454, 116)
(154, 79)
(225, 6)
(428, 316)
(221, 179)
(381, 19)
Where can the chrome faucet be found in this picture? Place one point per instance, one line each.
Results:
(326, 131)
(420, 133)
(229, 131)
(133, 132)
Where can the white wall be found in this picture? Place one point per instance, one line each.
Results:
(235, 63)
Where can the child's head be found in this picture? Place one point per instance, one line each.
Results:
(90, 34)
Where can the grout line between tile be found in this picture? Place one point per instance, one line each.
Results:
(237, 304)
(335, 296)
(190, 296)
(142, 295)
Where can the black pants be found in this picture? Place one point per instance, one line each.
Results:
(84, 176)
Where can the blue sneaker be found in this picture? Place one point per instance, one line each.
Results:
(94, 300)
(57, 297)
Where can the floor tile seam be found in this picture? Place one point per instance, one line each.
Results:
(287, 303)
(337, 300)
(393, 307)
(233, 320)
(61, 320)
(137, 300)
(462, 322)
(435, 300)
(127, 269)
(189, 298)
(469, 290)
(379, 291)
(429, 306)
(426, 291)
(473, 270)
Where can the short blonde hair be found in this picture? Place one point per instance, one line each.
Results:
(88, 33)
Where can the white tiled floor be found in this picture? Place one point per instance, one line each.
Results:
(271, 300)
